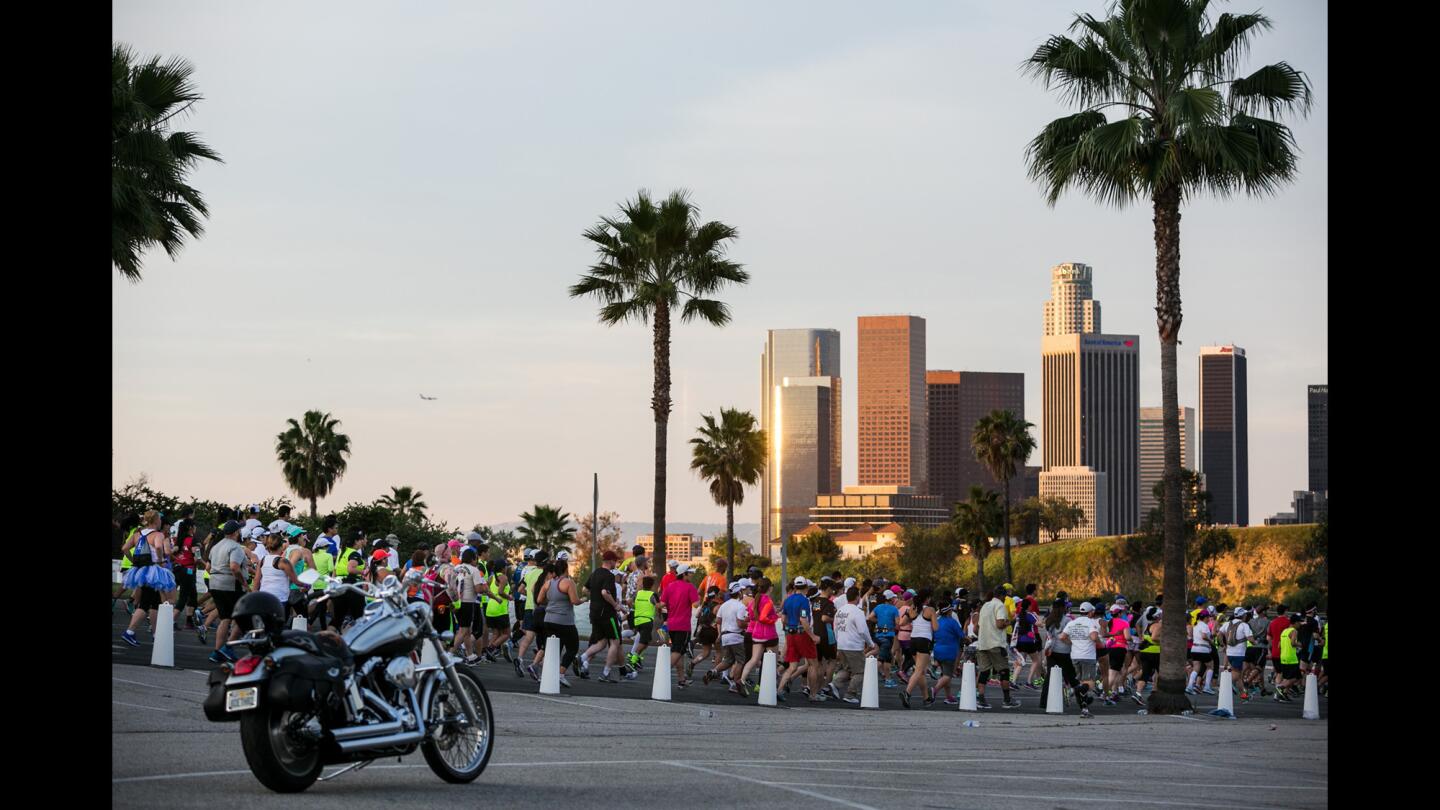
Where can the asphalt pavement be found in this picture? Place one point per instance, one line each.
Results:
(572, 750)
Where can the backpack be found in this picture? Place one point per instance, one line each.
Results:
(434, 590)
(452, 586)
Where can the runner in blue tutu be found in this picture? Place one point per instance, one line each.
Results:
(148, 577)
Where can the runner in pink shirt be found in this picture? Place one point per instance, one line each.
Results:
(679, 598)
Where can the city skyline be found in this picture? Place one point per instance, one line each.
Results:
(442, 271)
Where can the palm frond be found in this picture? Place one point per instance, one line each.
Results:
(1277, 88)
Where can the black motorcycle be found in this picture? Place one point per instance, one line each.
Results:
(306, 700)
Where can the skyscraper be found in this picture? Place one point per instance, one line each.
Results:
(1152, 451)
(1084, 487)
(1072, 308)
(1319, 396)
(1091, 418)
(893, 435)
(1224, 440)
(798, 354)
(799, 453)
(957, 400)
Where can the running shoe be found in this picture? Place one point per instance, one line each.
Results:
(929, 701)
(744, 688)
(781, 697)
(564, 681)
(631, 675)
(129, 638)
(805, 688)
(530, 668)
(519, 673)
(951, 701)
(852, 701)
(471, 660)
(1190, 690)
(905, 698)
(682, 683)
(229, 653)
(833, 692)
(818, 699)
(1086, 713)
(1109, 701)
(605, 679)
(584, 665)
(735, 690)
(584, 673)
(982, 704)
(200, 633)
(508, 651)
(890, 683)
(1012, 703)
(707, 677)
(1139, 701)
(1207, 690)
(216, 657)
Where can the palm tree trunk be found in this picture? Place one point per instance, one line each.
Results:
(980, 568)
(312, 508)
(1169, 696)
(730, 537)
(1009, 574)
(660, 404)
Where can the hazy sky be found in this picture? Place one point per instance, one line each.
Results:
(404, 188)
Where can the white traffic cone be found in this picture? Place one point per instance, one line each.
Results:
(660, 688)
(300, 623)
(767, 680)
(967, 688)
(1055, 698)
(163, 654)
(1312, 697)
(550, 667)
(870, 690)
(1227, 692)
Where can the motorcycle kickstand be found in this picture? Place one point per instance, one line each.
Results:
(347, 769)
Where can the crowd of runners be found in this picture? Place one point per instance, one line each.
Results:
(921, 638)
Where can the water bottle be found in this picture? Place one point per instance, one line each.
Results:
(972, 724)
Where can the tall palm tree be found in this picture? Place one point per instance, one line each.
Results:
(1188, 123)
(150, 202)
(312, 456)
(975, 520)
(731, 456)
(547, 527)
(649, 258)
(404, 502)
(1002, 442)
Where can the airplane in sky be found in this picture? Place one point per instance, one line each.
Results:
(428, 399)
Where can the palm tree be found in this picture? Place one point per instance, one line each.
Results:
(731, 456)
(547, 527)
(1002, 442)
(975, 520)
(404, 502)
(649, 257)
(1189, 124)
(150, 202)
(312, 456)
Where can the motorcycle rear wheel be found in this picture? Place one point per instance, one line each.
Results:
(277, 761)
(459, 755)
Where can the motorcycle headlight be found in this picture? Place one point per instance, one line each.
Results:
(401, 672)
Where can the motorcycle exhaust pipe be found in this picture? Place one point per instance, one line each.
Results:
(363, 732)
(366, 743)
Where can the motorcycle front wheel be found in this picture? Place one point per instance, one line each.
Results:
(280, 762)
(460, 751)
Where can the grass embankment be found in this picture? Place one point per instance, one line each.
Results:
(1265, 564)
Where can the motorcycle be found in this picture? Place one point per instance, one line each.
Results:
(307, 700)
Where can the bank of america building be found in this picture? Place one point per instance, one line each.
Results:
(1091, 415)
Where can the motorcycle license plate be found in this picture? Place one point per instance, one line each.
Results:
(239, 700)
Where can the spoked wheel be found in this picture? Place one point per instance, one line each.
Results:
(278, 758)
(459, 751)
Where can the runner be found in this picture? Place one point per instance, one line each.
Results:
(1236, 635)
(1289, 658)
(322, 551)
(148, 577)
(465, 586)
(922, 641)
(643, 609)
(560, 595)
(350, 567)
(275, 574)
(1057, 649)
(800, 641)
(1257, 650)
(949, 641)
(534, 618)
(706, 632)
(496, 604)
(635, 553)
(885, 615)
(604, 619)
(1149, 651)
(1200, 653)
(1117, 642)
(822, 610)
(852, 643)
(679, 598)
(992, 660)
(716, 579)
(186, 561)
(1027, 642)
(1083, 635)
(732, 616)
(763, 633)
